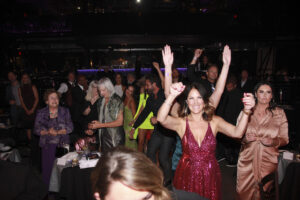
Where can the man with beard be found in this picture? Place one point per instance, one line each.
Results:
(161, 138)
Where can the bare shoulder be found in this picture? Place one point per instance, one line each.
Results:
(215, 123)
(216, 119)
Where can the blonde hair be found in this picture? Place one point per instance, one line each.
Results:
(133, 169)
(106, 82)
(89, 93)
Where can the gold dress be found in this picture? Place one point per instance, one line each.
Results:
(256, 160)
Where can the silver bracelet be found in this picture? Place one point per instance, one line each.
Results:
(169, 104)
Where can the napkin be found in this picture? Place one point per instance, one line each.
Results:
(87, 163)
(69, 156)
(288, 155)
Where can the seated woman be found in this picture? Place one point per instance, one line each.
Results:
(52, 124)
(110, 123)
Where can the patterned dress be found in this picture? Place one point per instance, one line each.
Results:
(198, 170)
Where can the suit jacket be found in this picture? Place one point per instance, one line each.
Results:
(78, 100)
(248, 86)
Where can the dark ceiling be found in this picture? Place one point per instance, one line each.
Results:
(99, 23)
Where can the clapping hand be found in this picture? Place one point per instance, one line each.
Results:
(52, 132)
(176, 89)
(168, 57)
(248, 101)
(267, 141)
(226, 55)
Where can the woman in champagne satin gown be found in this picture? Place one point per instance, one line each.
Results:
(267, 130)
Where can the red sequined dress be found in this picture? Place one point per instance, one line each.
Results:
(198, 170)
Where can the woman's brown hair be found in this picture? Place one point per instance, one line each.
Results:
(130, 167)
(48, 92)
(208, 110)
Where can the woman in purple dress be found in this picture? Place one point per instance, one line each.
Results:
(198, 170)
(53, 124)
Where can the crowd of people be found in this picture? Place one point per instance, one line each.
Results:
(172, 119)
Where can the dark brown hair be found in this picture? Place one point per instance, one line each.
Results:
(130, 167)
(48, 92)
(208, 110)
(272, 105)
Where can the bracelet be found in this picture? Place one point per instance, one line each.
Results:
(169, 104)
(247, 113)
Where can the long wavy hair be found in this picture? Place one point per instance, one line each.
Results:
(89, 93)
(131, 168)
(272, 105)
(208, 110)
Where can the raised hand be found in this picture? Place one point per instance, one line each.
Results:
(176, 89)
(198, 53)
(155, 65)
(248, 101)
(167, 55)
(226, 55)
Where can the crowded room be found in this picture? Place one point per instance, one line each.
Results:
(149, 100)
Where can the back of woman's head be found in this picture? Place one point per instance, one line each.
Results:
(132, 169)
(208, 110)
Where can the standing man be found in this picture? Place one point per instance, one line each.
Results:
(12, 97)
(246, 85)
(65, 89)
(161, 138)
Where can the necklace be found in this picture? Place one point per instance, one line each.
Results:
(53, 113)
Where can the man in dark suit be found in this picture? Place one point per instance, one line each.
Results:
(76, 110)
(246, 85)
(229, 109)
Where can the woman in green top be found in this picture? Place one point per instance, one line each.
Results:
(146, 127)
(129, 112)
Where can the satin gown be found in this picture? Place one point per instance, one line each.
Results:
(198, 170)
(257, 160)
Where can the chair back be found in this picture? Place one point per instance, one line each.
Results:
(268, 187)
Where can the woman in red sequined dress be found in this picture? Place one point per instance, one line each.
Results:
(198, 170)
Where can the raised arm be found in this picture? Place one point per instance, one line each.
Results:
(172, 123)
(191, 69)
(161, 76)
(197, 54)
(239, 130)
(216, 96)
(168, 59)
